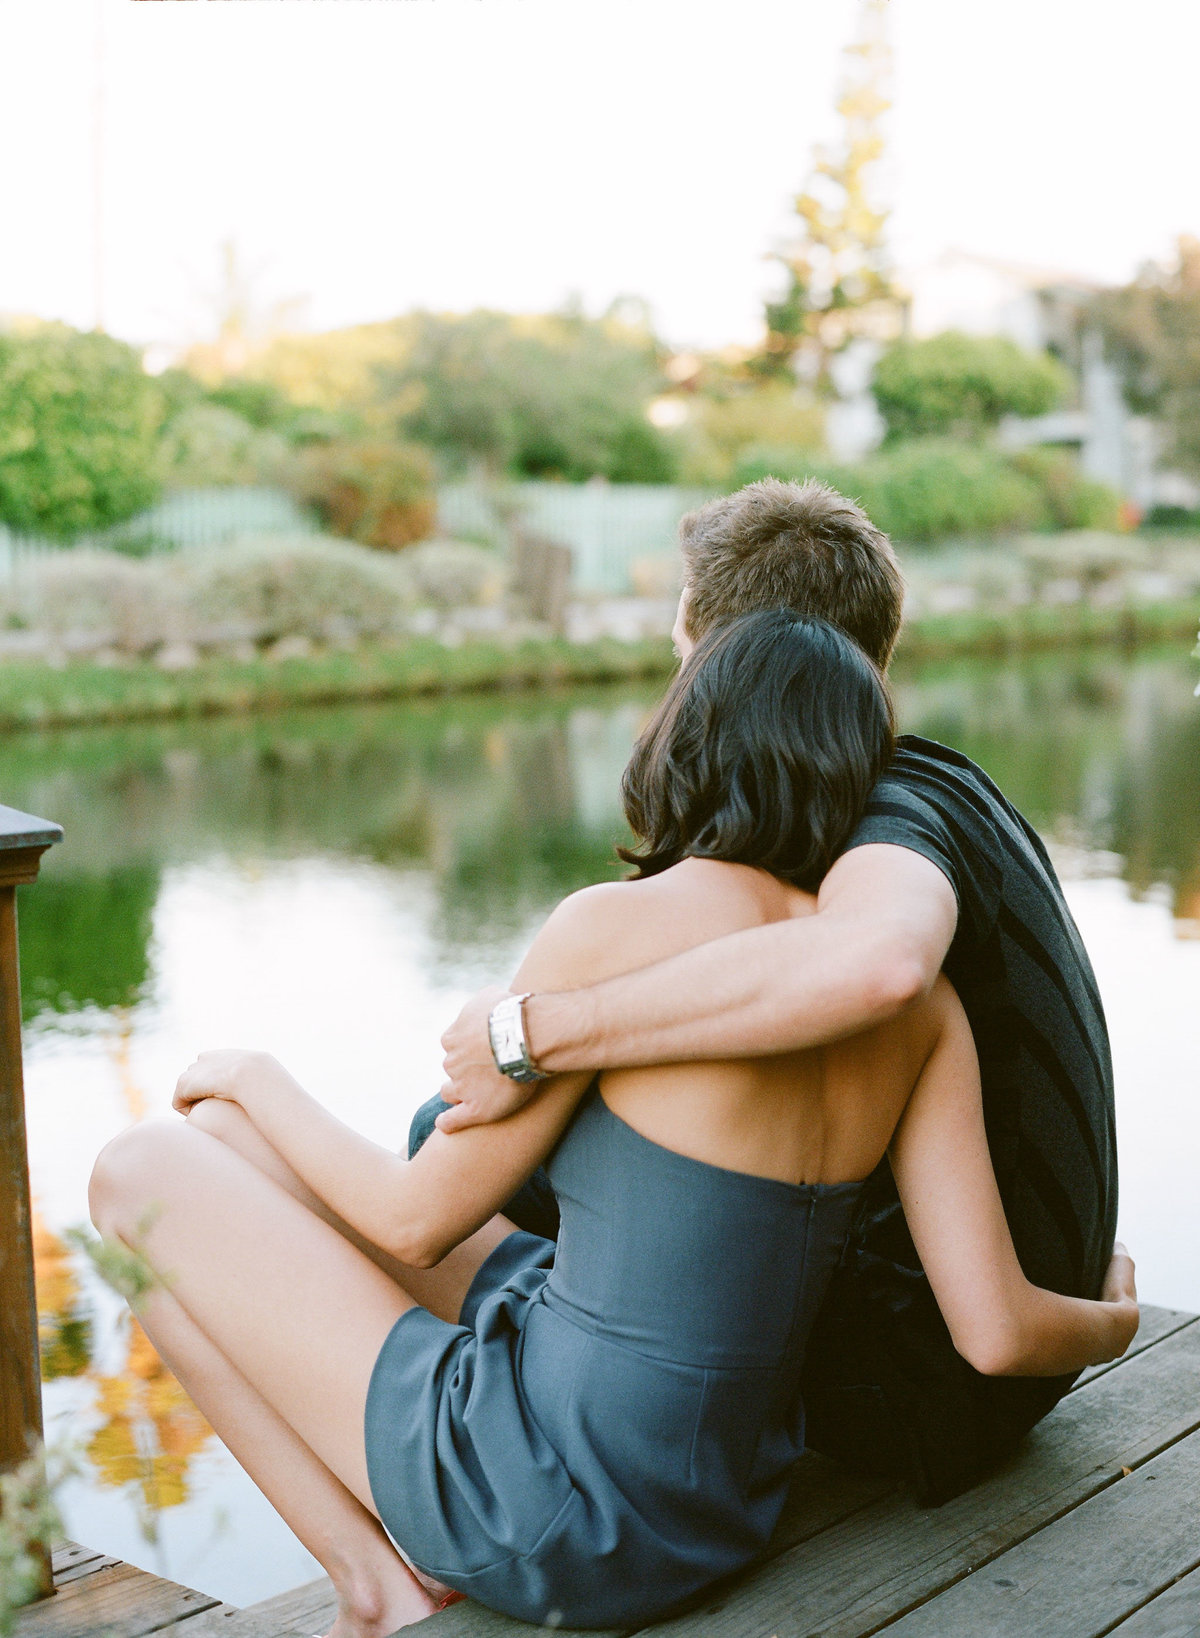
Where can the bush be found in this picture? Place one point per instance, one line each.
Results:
(257, 589)
(1073, 500)
(960, 385)
(79, 426)
(379, 493)
(1172, 517)
(207, 446)
(303, 587)
(104, 596)
(926, 490)
(450, 574)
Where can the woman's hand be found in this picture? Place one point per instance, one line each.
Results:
(1120, 1290)
(1119, 1283)
(229, 1073)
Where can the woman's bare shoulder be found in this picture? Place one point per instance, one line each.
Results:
(612, 927)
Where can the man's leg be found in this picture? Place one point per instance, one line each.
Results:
(533, 1207)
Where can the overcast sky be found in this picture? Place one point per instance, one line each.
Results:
(374, 155)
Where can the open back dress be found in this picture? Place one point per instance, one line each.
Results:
(611, 1425)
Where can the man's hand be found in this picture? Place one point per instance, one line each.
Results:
(476, 1088)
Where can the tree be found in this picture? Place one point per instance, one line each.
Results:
(961, 386)
(1152, 332)
(837, 283)
(554, 395)
(79, 427)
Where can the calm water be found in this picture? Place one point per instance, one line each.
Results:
(330, 886)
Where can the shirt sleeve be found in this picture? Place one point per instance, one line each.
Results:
(900, 814)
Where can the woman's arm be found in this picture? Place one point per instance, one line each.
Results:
(999, 1322)
(420, 1209)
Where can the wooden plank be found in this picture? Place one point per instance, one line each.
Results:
(890, 1556)
(68, 1556)
(226, 1622)
(1083, 1573)
(309, 1609)
(1155, 1325)
(1173, 1614)
(75, 1572)
(116, 1602)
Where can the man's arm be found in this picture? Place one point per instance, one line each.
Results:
(884, 921)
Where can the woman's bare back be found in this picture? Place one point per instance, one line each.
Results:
(824, 1115)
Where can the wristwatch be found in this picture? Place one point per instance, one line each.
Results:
(506, 1032)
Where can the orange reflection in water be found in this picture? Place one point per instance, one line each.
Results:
(149, 1430)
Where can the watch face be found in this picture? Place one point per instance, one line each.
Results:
(504, 1031)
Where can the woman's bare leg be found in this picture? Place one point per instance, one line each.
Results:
(377, 1591)
(273, 1322)
(441, 1289)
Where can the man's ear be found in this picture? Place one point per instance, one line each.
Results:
(679, 632)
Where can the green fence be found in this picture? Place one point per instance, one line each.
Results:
(622, 536)
(187, 518)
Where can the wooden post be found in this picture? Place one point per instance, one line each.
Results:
(542, 578)
(23, 840)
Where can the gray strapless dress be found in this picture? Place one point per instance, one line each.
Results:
(610, 1427)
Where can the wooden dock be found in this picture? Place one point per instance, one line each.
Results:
(1093, 1528)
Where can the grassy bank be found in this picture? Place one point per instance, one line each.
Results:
(38, 695)
(1037, 627)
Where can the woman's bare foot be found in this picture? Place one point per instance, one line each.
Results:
(379, 1607)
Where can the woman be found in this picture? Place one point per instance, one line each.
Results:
(589, 1434)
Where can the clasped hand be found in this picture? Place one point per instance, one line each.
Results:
(227, 1073)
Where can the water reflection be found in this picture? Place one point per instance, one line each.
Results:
(331, 882)
(507, 806)
(1100, 752)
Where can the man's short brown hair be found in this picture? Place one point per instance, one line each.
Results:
(799, 546)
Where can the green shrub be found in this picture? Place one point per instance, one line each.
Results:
(452, 574)
(379, 493)
(960, 385)
(302, 587)
(133, 604)
(79, 428)
(926, 490)
(1073, 500)
(208, 445)
(258, 589)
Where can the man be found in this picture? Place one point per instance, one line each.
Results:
(942, 870)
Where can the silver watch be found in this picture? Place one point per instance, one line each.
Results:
(506, 1032)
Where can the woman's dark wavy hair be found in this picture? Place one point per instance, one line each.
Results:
(763, 752)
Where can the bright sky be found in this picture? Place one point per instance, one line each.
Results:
(374, 155)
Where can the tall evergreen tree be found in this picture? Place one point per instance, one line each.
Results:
(836, 271)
